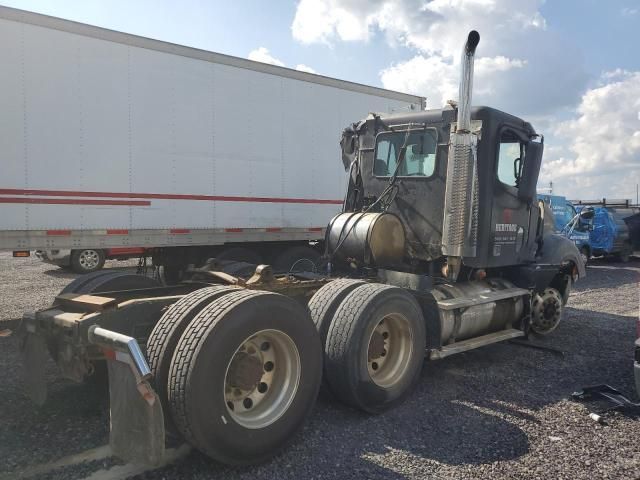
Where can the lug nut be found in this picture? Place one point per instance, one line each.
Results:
(248, 403)
(262, 387)
(268, 366)
(265, 346)
(230, 405)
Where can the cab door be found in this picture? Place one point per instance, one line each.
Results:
(510, 216)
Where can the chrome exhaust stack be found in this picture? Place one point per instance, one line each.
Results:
(460, 225)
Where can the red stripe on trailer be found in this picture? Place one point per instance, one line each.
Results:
(125, 251)
(234, 230)
(71, 201)
(59, 233)
(116, 231)
(315, 229)
(167, 196)
(180, 230)
(274, 229)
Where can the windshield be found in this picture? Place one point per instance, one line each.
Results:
(420, 157)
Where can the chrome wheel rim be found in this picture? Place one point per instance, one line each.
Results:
(89, 259)
(546, 311)
(389, 350)
(262, 378)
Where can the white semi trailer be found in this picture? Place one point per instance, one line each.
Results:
(112, 140)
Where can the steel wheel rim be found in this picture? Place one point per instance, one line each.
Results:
(262, 378)
(89, 259)
(389, 350)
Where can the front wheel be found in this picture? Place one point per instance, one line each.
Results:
(87, 260)
(546, 311)
(245, 375)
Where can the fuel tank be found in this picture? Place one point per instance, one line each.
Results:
(366, 238)
(478, 319)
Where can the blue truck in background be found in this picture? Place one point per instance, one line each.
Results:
(566, 221)
(614, 232)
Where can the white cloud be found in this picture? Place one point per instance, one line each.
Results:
(437, 78)
(261, 54)
(628, 11)
(603, 154)
(304, 68)
(529, 69)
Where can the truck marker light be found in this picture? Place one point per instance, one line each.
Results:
(21, 253)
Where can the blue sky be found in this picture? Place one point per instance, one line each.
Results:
(565, 65)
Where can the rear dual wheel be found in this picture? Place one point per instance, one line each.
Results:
(243, 375)
(374, 347)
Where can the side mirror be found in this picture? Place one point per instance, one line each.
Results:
(530, 170)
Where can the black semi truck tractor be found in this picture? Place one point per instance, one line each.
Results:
(440, 248)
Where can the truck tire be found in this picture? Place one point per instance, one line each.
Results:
(108, 280)
(546, 311)
(245, 375)
(114, 281)
(296, 259)
(165, 335)
(87, 260)
(84, 279)
(375, 347)
(325, 302)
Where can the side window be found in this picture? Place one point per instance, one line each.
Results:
(510, 159)
(385, 163)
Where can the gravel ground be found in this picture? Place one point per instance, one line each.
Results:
(498, 412)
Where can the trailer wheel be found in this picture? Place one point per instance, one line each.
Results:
(245, 375)
(297, 259)
(546, 311)
(164, 337)
(87, 260)
(375, 347)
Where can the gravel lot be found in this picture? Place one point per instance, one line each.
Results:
(497, 412)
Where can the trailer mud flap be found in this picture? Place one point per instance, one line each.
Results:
(137, 420)
(34, 357)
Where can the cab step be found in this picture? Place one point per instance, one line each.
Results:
(475, 342)
(488, 297)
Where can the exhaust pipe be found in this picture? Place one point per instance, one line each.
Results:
(466, 82)
(460, 223)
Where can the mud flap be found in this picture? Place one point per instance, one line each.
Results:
(34, 357)
(137, 420)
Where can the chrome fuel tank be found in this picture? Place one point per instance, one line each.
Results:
(479, 319)
(367, 238)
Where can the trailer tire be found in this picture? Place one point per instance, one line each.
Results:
(216, 358)
(165, 335)
(375, 347)
(296, 259)
(87, 260)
